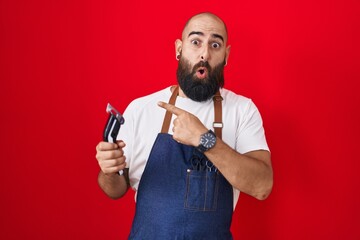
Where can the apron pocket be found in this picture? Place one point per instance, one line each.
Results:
(201, 190)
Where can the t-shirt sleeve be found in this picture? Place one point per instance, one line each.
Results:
(251, 134)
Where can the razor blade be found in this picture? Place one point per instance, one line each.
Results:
(113, 124)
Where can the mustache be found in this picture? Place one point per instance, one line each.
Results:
(201, 64)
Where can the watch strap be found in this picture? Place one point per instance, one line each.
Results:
(201, 148)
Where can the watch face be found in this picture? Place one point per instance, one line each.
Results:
(208, 140)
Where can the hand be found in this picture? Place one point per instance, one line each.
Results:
(187, 127)
(110, 157)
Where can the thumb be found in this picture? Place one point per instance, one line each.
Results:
(120, 143)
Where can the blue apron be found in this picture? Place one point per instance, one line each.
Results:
(181, 194)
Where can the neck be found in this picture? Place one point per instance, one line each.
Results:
(181, 93)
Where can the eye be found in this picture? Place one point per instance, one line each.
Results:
(195, 42)
(215, 45)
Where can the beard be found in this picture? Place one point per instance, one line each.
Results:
(197, 89)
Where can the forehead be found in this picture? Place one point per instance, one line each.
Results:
(206, 24)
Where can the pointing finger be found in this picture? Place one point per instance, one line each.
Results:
(171, 108)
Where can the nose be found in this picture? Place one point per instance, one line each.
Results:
(205, 54)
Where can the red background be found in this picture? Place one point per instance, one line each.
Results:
(62, 61)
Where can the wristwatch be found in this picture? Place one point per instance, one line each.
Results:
(207, 141)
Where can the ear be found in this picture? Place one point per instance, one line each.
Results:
(178, 46)
(227, 53)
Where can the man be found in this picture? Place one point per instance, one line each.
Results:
(187, 177)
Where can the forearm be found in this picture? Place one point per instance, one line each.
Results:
(250, 173)
(114, 185)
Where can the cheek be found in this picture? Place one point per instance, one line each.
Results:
(188, 55)
(188, 59)
(191, 52)
(217, 59)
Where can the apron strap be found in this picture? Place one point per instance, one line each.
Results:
(168, 115)
(218, 124)
(217, 112)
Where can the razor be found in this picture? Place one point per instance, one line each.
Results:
(112, 127)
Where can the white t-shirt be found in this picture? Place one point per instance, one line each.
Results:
(242, 126)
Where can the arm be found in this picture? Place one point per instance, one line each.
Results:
(250, 173)
(111, 160)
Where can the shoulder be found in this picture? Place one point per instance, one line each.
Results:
(240, 105)
(233, 100)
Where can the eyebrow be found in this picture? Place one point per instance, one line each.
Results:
(214, 35)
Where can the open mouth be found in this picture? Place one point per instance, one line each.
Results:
(201, 72)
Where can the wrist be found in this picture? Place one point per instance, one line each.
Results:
(110, 174)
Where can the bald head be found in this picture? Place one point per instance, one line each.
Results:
(208, 20)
